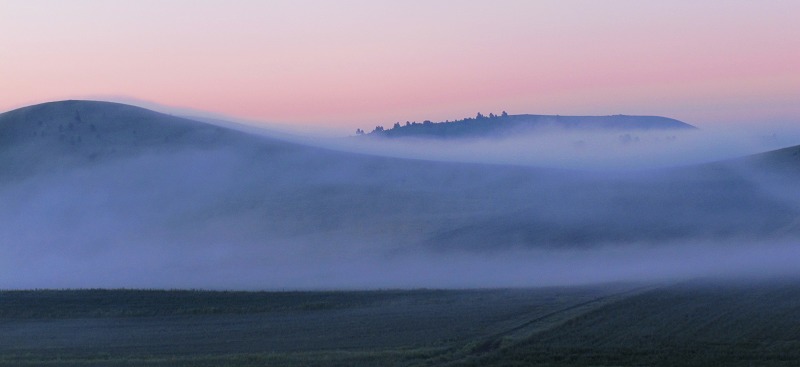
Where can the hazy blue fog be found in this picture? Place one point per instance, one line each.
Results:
(224, 210)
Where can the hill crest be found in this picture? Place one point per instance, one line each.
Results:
(508, 125)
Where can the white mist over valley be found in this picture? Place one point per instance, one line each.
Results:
(98, 194)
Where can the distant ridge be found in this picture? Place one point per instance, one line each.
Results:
(508, 125)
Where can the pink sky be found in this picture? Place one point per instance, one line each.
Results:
(348, 64)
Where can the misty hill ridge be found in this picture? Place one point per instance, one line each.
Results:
(94, 123)
(508, 125)
(81, 177)
(57, 135)
(86, 126)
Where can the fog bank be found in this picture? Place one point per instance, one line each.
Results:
(104, 195)
(586, 150)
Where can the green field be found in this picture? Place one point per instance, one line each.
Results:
(696, 323)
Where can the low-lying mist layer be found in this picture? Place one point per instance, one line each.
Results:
(587, 150)
(212, 208)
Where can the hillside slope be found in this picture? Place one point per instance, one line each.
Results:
(92, 188)
(59, 135)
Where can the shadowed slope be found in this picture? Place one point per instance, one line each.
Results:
(59, 135)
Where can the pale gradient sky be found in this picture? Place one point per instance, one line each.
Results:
(348, 64)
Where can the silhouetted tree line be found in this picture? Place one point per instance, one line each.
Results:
(397, 125)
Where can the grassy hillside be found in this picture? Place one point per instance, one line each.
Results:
(73, 134)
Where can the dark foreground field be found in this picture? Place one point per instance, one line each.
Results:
(695, 323)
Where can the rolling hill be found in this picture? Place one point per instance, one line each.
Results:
(513, 125)
(104, 194)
